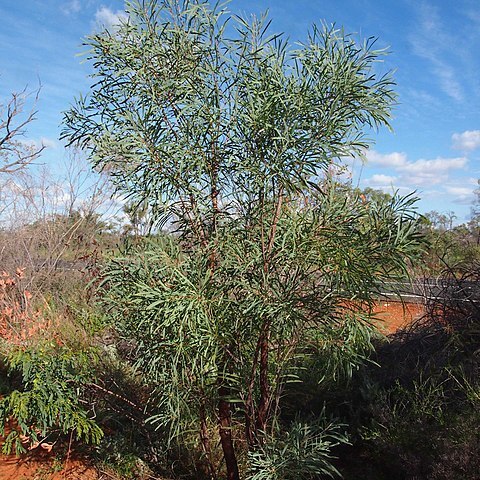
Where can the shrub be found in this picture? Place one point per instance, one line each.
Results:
(46, 373)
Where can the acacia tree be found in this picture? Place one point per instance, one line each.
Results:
(228, 133)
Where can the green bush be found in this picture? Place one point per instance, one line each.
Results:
(47, 401)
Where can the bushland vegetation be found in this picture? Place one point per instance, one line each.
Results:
(227, 331)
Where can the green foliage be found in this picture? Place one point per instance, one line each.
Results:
(428, 429)
(121, 462)
(302, 452)
(450, 247)
(48, 401)
(184, 320)
(455, 248)
(246, 112)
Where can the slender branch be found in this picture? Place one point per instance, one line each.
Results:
(116, 395)
(276, 218)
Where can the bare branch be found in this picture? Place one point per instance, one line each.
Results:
(16, 154)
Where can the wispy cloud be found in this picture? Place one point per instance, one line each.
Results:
(460, 195)
(109, 19)
(35, 143)
(432, 43)
(394, 159)
(459, 191)
(48, 142)
(474, 16)
(442, 180)
(381, 181)
(71, 7)
(431, 172)
(466, 141)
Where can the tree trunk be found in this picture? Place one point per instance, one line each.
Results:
(205, 440)
(225, 430)
(224, 409)
(263, 407)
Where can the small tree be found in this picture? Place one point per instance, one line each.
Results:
(226, 131)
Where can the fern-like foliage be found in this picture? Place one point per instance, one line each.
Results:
(48, 400)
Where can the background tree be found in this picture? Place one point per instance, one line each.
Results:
(437, 220)
(137, 215)
(474, 223)
(226, 131)
(16, 153)
(50, 220)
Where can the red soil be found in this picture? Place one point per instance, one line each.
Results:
(394, 315)
(42, 462)
(43, 466)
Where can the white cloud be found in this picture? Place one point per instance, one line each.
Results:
(474, 16)
(459, 191)
(430, 172)
(73, 6)
(413, 173)
(431, 42)
(466, 141)
(380, 180)
(108, 18)
(448, 80)
(394, 159)
(436, 166)
(35, 144)
(48, 142)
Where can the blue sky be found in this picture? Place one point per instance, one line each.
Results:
(435, 45)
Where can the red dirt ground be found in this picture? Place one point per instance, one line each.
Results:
(394, 315)
(42, 466)
(43, 463)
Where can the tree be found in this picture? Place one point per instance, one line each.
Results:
(474, 222)
(450, 217)
(138, 218)
(228, 133)
(435, 219)
(16, 154)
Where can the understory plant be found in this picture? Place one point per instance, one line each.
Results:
(47, 402)
(44, 373)
(302, 451)
(228, 135)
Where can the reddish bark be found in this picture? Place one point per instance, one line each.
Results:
(205, 440)
(225, 430)
(263, 406)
